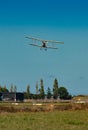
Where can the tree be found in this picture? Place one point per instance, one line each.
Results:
(3, 89)
(36, 96)
(28, 91)
(49, 93)
(15, 88)
(55, 89)
(37, 88)
(11, 88)
(42, 93)
(63, 93)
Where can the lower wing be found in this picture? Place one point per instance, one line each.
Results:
(52, 47)
(43, 47)
(35, 45)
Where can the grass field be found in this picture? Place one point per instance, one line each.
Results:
(54, 120)
(66, 120)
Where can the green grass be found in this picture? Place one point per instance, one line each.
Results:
(55, 120)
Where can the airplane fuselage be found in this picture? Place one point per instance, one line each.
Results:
(44, 44)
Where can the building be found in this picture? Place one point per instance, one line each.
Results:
(12, 96)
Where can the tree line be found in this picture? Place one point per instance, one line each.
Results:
(56, 92)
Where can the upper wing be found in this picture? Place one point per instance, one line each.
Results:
(34, 45)
(52, 41)
(41, 40)
(29, 37)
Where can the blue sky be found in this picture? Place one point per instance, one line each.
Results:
(63, 20)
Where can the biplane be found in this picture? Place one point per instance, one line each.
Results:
(44, 43)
